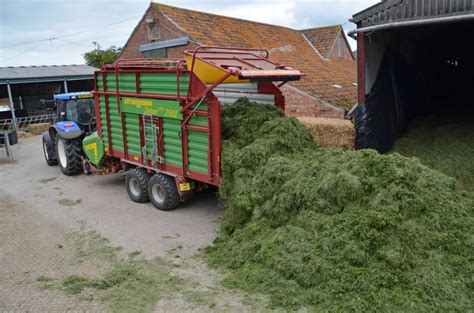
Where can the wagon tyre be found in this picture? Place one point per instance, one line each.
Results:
(48, 150)
(136, 182)
(69, 155)
(163, 192)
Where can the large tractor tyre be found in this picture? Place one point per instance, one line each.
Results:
(48, 150)
(69, 155)
(136, 182)
(163, 192)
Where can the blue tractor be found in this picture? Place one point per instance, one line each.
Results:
(62, 143)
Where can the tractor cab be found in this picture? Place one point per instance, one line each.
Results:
(77, 107)
(75, 120)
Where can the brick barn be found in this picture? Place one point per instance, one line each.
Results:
(323, 54)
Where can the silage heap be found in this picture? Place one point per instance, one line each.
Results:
(444, 142)
(335, 229)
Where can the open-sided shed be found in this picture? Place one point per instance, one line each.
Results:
(414, 58)
(22, 87)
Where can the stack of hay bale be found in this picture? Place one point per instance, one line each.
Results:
(38, 129)
(331, 132)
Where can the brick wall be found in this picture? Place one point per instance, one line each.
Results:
(298, 103)
(167, 31)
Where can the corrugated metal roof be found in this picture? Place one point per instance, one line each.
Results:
(46, 72)
(389, 11)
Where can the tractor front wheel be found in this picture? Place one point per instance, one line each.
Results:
(48, 150)
(136, 182)
(68, 153)
(163, 192)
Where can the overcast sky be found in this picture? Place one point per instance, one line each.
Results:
(24, 23)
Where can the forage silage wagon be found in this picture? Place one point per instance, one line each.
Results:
(159, 120)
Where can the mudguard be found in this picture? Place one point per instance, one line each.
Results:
(93, 148)
(68, 129)
(47, 138)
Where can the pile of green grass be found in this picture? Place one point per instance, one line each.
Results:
(443, 142)
(337, 230)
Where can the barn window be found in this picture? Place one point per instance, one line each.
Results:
(153, 29)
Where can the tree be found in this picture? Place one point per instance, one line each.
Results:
(98, 57)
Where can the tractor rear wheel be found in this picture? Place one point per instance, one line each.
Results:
(163, 192)
(69, 155)
(48, 150)
(136, 182)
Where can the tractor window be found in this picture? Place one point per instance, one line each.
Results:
(61, 105)
(81, 111)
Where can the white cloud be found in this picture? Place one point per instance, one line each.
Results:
(275, 13)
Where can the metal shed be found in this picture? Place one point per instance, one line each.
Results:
(22, 87)
(413, 57)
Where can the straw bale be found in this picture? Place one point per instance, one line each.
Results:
(38, 129)
(331, 132)
(22, 134)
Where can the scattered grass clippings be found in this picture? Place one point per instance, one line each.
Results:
(45, 282)
(74, 284)
(134, 254)
(127, 284)
(199, 297)
(69, 202)
(44, 278)
(47, 180)
(90, 245)
(176, 236)
(335, 230)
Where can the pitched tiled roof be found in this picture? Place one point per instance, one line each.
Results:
(323, 38)
(287, 47)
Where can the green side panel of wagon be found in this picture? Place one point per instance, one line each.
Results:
(168, 110)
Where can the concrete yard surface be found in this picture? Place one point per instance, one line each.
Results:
(42, 211)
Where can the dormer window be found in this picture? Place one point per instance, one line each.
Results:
(153, 29)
